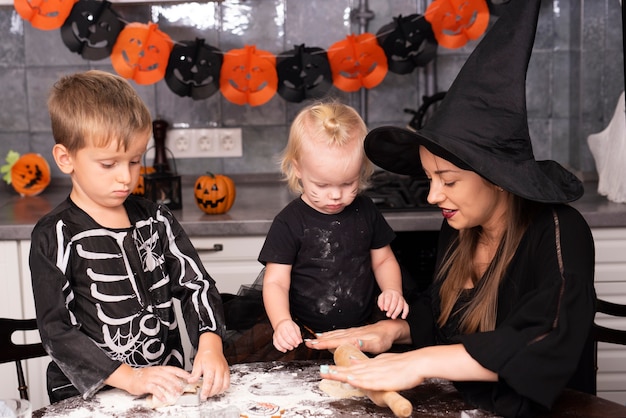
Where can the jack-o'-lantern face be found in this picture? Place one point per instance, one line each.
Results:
(30, 174)
(194, 69)
(44, 14)
(303, 73)
(455, 22)
(91, 29)
(214, 193)
(248, 76)
(408, 42)
(141, 53)
(357, 61)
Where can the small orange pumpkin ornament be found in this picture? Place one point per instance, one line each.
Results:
(141, 53)
(29, 174)
(214, 193)
(140, 187)
(44, 14)
(248, 76)
(455, 22)
(357, 61)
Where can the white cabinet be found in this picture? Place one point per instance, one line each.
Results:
(231, 261)
(610, 285)
(16, 301)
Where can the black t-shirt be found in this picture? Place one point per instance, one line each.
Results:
(332, 282)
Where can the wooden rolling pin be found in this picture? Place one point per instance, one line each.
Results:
(398, 404)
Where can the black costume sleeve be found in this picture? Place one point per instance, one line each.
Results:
(74, 352)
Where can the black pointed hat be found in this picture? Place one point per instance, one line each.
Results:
(482, 125)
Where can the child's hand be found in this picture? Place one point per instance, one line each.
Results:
(166, 383)
(392, 302)
(213, 367)
(287, 335)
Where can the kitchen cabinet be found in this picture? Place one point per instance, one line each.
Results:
(610, 282)
(230, 260)
(16, 301)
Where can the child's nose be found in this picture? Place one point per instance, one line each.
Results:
(123, 174)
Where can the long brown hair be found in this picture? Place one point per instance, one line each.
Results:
(480, 313)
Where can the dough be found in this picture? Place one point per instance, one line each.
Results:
(338, 389)
(154, 403)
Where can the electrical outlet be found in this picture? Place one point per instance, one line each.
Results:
(202, 143)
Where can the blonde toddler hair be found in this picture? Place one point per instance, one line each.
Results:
(334, 121)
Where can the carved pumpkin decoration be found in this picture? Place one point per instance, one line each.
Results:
(193, 69)
(29, 174)
(357, 61)
(248, 76)
(455, 22)
(141, 53)
(303, 73)
(140, 188)
(408, 42)
(91, 29)
(44, 14)
(214, 193)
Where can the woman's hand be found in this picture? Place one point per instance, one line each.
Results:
(392, 302)
(287, 335)
(211, 365)
(375, 338)
(389, 372)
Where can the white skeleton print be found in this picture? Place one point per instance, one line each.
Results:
(105, 296)
(113, 257)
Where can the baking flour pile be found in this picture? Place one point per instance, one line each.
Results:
(257, 390)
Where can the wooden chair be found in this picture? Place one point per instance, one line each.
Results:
(602, 334)
(9, 351)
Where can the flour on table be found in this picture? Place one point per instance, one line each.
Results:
(339, 389)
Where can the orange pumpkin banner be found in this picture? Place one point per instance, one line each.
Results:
(141, 53)
(249, 76)
(44, 14)
(455, 22)
(357, 61)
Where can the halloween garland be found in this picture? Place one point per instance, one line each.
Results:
(192, 68)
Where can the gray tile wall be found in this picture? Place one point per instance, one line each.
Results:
(574, 80)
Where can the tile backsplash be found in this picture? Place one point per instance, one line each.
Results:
(575, 76)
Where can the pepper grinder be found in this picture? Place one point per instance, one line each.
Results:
(159, 132)
(164, 185)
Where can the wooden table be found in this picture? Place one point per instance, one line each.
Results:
(293, 388)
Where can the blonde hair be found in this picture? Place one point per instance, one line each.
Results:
(338, 123)
(481, 312)
(96, 107)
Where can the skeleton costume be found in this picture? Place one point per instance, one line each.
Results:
(104, 296)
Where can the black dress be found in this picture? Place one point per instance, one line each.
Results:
(543, 317)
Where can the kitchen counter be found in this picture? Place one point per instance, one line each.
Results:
(259, 199)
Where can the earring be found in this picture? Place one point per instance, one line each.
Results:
(500, 189)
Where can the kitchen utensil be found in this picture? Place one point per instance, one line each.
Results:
(398, 404)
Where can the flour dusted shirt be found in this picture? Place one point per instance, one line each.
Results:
(332, 282)
(105, 296)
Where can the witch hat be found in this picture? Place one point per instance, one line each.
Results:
(482, 124)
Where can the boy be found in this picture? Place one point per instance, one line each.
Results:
(106, 265)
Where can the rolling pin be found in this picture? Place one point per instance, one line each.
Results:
(398, 404)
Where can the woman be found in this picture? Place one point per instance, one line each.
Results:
(509, 311)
